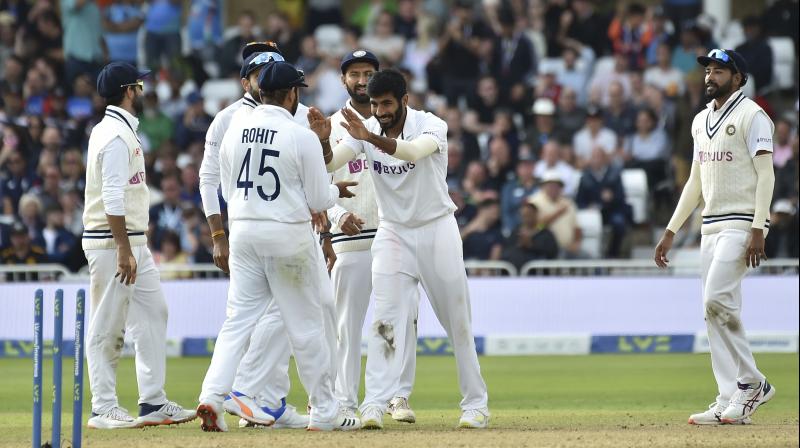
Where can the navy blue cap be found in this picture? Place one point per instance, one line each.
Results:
(115, 75)
(728, 58)
(280, 75)
(258, 60)
(259, 47)
(359, 56)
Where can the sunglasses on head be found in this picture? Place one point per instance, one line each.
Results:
(265, 57)
(138, 82)
(721, 55)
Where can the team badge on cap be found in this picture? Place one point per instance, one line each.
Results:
(359, 54)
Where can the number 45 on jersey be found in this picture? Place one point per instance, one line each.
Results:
(263, 169)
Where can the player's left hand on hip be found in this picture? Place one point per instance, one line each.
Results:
(755, 249)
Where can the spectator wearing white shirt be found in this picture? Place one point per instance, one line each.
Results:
(664, 76)
(593, 134)
(648, 148)
(578, 64)
(384, 42)
(551, 161)
(602, 81)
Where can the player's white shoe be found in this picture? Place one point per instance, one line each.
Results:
(170, 413)
(286, 417)
(401, 411)
(372, 418)
(474, 419)
(712, 416)
(245, 407)
(746, 401)
(114, 418)
(345, 420)
(212, 417)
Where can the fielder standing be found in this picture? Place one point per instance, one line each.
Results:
(263, 373)
(355, 222)
(732, 173)
(272, 173)
(417, 242)
(125, 287)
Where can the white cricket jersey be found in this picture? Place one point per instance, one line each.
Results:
(272, 169)
(209, 168)
(725, 142)
(363, 204)
(409, 193)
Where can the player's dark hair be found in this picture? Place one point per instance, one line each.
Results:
(387, 81)
(116, 100)
(650, 113)
(274, 97)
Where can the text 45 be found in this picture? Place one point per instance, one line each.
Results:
(247, 184)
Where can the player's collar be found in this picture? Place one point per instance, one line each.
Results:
(269, 108)
(249, 100)
(124, 116)
(349, 105)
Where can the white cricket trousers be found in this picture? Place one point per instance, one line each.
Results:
(264, 371)
(352, 284)
(403, 257)
(138, 309)
(723, 267)
(275, 262)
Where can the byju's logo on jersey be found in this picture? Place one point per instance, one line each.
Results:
(716, 156)
(137, 178)
(380, 168)
(356, 166)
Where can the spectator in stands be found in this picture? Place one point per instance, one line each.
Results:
(49, 192)
(279, 30)
(121, 21)
(663, 30)
(647, 148)
(17, 181)
(30, 214)
(463, 46)
(783, 235)
(529, 240)
(593, 135)
(14, 141)
(781, 16)
(72, 205)
(172, 255)
(782, 150)
(513, 57)
(246, 31)
(455, 131)
(544, 125)
(601, 188)
(578, 64)
(42, 36)
(475, 180)
(73, 171)
(58, 241)
(558, 214)
(482, 237)
(503, 127)
(499, 164)
(79, 104)
(154, 125)
(83, 38)
(309, 58)
(570, 117)
(322, 12)
(630, 35)
(786, 178)
(455, 164)
(757, 52)
(195, 122)
(552, 161)
(684, 55)
(619, 116)
(664, 76)
(664, 109)
(167, 215)
(405, 21)
(190, 189)
(387, 45)
(12, 106)
(464, 210)
(13, 74)
(516, 191)
(601, 81)
(162, 40)
(22, 251)
(421, 49)
(587, 26)
(52, 142)
(547, 86)
(482, 104)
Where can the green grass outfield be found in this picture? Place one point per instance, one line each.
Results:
(564, 401)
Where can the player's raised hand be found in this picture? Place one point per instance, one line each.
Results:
(755, 249)
(351, 224)
(353, 125)
(343, 191)
(318, 123)
(663, 248)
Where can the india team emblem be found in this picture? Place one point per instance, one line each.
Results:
(359, 53)
(730, 130)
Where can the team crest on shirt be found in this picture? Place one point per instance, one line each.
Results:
(730, 129)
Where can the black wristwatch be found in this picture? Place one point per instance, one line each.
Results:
(324, 235)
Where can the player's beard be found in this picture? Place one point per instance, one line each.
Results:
(715, 91)
(296, 101)
(397, 115)
(360, 98)
(138, 103)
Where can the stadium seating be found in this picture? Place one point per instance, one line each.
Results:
(590, 222)
(635, 183)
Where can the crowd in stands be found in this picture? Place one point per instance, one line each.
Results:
(548, 103)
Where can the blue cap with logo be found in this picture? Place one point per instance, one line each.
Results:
(116, 76)
(728, 58)
(279, 75)
(257, 60)
(359, 56)
(259, 47)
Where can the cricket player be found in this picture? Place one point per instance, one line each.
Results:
(264, 371)
(732, 173)
(125, 287)
(355, 222)
(417, 242)
(272, 173)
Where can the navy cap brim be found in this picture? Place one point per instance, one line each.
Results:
(350, 62)
(705, 60)
(144, 74)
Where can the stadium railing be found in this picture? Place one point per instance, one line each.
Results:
(641, 267)
(560, 268)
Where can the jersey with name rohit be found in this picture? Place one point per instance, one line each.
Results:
(272, 169)
(725, 142)
(209, 168)
(409, 193)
